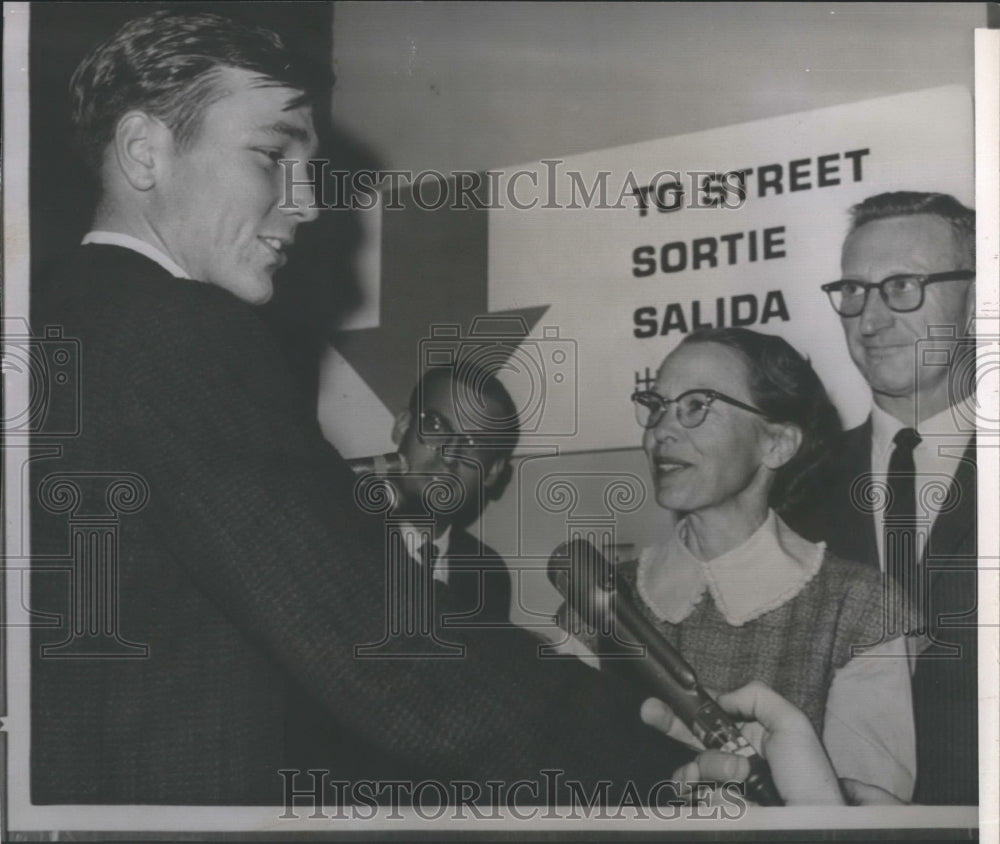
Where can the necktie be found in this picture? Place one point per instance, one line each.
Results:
(901, 559)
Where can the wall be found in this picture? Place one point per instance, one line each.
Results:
(477, 85)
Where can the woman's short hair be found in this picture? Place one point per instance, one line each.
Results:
(784, 385)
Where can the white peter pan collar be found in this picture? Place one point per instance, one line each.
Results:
(766, 571)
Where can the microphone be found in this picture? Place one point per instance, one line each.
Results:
(392, 463)
(585, 579)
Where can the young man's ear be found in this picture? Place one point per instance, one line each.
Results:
(401, 426)
(782, 444)
(139, 142)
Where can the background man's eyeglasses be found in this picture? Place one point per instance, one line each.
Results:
(435, 431)
(691, 406)
(901, 293)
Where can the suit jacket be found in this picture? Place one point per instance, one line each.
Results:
(944, 683)
(479, 582)
(247, 574)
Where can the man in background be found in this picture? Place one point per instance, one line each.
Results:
(459, 428)
(243, 572)
(906, 302)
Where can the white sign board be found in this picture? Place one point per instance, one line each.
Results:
(633, 247)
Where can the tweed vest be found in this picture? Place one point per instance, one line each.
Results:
(795, 648)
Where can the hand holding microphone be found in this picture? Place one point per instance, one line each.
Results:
(423, 490)
(802, 771)
(392, 463)
(585, 578)
(374, 481)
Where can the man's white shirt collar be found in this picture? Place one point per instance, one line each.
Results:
(885, 426)
(127, 241)
(951, 426)
(954, 422)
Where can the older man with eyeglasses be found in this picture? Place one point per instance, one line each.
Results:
(904, 492)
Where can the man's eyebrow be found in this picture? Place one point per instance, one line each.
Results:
(286, 130)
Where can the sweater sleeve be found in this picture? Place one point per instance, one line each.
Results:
(256, 507)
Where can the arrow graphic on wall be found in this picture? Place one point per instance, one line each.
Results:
(434, 272)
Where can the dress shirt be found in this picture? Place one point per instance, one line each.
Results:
(127, 241)
(935, 460)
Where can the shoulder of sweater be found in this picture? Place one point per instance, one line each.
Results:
(111, 278)
(150, 311)
(846, 583)
(834, 568)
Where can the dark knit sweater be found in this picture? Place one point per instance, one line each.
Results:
(249, 574)
(478, 580)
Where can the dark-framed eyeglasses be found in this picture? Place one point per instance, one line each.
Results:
(691, 406)
(901, 293)
(436, 431)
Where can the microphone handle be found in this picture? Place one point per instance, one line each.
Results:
(670, 677)
(587, 584)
